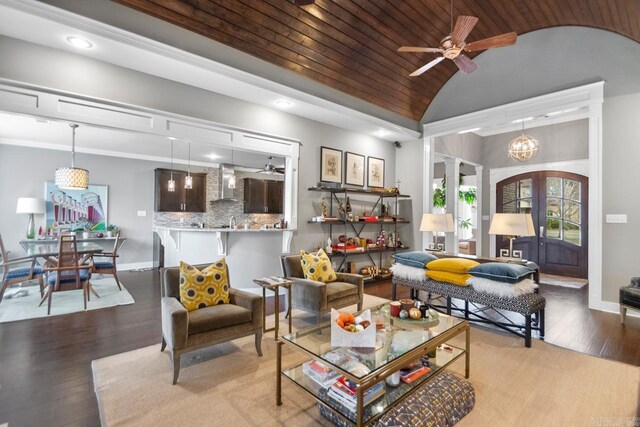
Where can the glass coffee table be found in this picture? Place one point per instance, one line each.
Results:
(400, 343)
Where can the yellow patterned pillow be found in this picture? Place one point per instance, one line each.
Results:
(448, 277)
(199, 289)
(317, 266)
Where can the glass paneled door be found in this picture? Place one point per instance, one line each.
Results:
(558, 203)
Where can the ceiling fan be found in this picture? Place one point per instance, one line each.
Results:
(270, 169)
(454, 45)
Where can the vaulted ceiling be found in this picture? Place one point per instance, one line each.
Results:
(351, 45)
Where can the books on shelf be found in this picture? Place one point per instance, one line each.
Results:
(345, 392)
(320, 373)
(412, 373)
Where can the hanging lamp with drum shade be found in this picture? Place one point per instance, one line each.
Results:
(72, 178)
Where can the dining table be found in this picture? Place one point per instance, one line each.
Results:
(48, 250)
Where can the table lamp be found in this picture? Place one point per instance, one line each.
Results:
(31, 206)
(512, 225)
(437, 223)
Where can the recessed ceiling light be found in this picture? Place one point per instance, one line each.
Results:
(382, 132)
(79, 42)
(526, 119)
(554, 113)
(469, 130)
(171, 138)
(283, 103)
(213, 156)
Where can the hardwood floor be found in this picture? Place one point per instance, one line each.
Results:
(46, 374)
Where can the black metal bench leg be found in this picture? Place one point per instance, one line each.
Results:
(541, 316)
(449, 306)
(527, 330)
(393, 291)
(466, 309)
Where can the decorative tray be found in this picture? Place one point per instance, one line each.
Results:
(431, 321)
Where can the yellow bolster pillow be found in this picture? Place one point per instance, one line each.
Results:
(448, 277)
(452, 265)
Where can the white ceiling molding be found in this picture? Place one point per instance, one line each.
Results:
(46, 25)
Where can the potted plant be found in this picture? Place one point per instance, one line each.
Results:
(111, 229)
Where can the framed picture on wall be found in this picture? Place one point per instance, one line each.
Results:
(354, 169)
(375, 172)
(330, 165)
(74, 209)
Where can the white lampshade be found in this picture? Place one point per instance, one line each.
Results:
(512, 225)
(72, 178)
(437, 222)
(30, 205)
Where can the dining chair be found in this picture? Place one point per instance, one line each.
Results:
(14, 275)
(68, 269)
(109, 265)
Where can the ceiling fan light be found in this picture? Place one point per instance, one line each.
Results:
(523, 148)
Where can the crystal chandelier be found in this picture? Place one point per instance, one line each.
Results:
(523, 147)
(72, 178)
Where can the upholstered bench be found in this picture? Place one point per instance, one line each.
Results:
(531, 305)
(441, 402)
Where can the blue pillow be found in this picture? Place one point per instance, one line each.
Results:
(415, 259)
(501, 271)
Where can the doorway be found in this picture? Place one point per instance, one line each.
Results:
(558, 203)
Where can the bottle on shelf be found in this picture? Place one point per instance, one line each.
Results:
(329, 249)
(349, 213)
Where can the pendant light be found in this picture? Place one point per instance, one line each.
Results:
(72, 178)
(171, 185)
(188, 180)
(232, 178)
(524, 147)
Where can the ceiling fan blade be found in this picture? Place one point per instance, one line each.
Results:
(464, 25)
(502, 40)
(465, 64)
(419, 49)
(426, 67)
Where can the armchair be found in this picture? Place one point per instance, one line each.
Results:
(629, 297)
(184, 331)
(318, 297)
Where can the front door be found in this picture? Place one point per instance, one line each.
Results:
(558, 204)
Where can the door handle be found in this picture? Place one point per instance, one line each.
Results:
(541, 231)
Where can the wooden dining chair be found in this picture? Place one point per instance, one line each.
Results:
(13, 275)
(108, 265)
(68, 269)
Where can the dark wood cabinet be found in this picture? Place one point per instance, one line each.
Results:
(180, 200)
(262, 196)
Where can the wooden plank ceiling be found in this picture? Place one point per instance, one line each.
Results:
(351, 45)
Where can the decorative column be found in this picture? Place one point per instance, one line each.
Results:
(479, 213)
(452, 173)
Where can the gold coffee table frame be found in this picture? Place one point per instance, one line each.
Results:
(275, 288)
(379, 374)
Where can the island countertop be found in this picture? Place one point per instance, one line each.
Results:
(224, 230)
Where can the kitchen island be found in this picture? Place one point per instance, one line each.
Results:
(250, 253)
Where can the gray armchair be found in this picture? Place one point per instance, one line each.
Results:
(186, 331)
(317, 297)
(629, 297)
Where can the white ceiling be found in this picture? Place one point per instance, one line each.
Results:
(43, 24)
(29, 131)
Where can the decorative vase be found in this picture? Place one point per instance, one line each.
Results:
(85, 234)
(31, 229)
(109, 233)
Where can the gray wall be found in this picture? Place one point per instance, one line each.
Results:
(131, 186)
(549, 60)
(48, 67)
(467, 146)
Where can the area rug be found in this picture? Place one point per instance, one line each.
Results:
(567, 282)
(64, 302)
(230, 385)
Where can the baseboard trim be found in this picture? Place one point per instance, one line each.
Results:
(135, 266)
(614, 307)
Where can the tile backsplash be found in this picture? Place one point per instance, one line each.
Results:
(220, 211)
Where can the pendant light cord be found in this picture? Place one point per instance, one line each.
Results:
(189, 170)
(171, 160)
(73, 144)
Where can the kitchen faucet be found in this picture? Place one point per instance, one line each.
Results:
(232, 222)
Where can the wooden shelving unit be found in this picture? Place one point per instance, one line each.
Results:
(358, 226)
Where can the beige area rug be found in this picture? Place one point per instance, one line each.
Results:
(63, 302)
(229, 385)
(567, 282)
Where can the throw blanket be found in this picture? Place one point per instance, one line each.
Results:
(479, 284)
